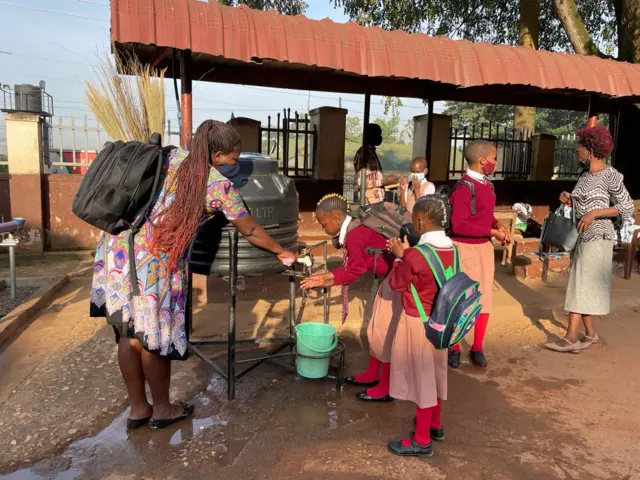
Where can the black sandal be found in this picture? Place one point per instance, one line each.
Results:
(158, 423)
(132, 424)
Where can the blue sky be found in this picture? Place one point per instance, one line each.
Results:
(61, 50)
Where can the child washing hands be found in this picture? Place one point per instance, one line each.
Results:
(418, 370)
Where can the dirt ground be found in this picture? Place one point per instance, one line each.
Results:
(533, 414)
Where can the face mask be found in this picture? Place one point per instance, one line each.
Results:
(229, 171)
(488, 168)
(418, 176)
(585, 164)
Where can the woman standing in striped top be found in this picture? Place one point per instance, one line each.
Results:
(599, 196)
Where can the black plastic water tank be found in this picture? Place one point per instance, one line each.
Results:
(28, 98)
(272, 200)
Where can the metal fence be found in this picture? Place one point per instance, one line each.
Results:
(565, 162)
(292, 138)
(72, 144)
(514, 149)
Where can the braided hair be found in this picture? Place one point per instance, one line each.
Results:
(180, 220)
(436, 208)
(332, 202)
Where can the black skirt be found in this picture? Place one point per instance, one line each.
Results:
(127, 330)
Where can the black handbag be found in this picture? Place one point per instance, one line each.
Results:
(559, 231)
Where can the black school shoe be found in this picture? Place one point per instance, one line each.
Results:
(436, 434)
(351, 380)
(454, 359)
(478, 359)
(414, 450)
(364, 397)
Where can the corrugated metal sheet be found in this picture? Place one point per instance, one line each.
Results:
(246, 35)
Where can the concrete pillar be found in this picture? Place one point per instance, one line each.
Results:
(24, 146)
(543, 149)
(249, 130)
(439, 161)
(331, 127)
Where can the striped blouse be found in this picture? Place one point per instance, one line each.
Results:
(595, 191)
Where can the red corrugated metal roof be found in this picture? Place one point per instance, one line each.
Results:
(246, 35)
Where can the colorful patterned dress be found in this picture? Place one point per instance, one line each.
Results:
(157, 316)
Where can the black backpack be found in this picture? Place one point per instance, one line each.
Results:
(119, 189)
(388, 219)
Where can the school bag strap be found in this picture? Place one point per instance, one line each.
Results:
(471, 187)
(469, 184)
(439, 272)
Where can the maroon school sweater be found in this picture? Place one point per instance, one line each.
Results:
(359, 261)
(414, 270)
(468, 228)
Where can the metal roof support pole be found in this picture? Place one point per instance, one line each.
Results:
(614, 128)
(186, 124)
(592, 113)
(429, 131)
(365, 144)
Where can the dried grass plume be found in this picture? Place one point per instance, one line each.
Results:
(130, 106)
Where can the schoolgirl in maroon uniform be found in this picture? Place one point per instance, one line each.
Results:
(354, 239)
(471, 233)
(419, 370)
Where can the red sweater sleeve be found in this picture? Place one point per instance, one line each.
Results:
(402, 273)
(462, 224)
(356, 260)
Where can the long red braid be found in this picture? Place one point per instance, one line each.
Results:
(180, 220)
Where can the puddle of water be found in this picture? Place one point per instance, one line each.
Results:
(230, 445)
(138, 447)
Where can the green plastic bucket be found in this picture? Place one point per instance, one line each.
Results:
(316, 340)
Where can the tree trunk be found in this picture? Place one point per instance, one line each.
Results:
(628, 13)
(529, 27)
(575, 28)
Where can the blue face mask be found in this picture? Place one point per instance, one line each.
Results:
(418, 176)
(229, 171)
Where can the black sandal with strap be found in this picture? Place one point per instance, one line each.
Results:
(158, 423)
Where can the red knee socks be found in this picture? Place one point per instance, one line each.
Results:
(382, 388)
(424, 420)
(479, 331)
(372, 373)
(436, 416)
(455, 348)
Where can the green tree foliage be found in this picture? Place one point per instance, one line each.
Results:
(288, 7)
(354, 129)
(392, 105)
(491, 21)
(555, 122)
(390, 129)
(407, 132)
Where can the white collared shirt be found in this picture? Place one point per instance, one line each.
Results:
(431, 189)
(476, 176)
(437, 239)
(344, 228)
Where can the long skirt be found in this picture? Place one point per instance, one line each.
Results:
(418, 370)
(386, 313)
(478, 261)
(589, 287)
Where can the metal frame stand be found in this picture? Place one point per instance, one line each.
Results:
(231, 375)
(9, 240)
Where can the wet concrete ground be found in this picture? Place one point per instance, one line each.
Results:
(532, 415)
